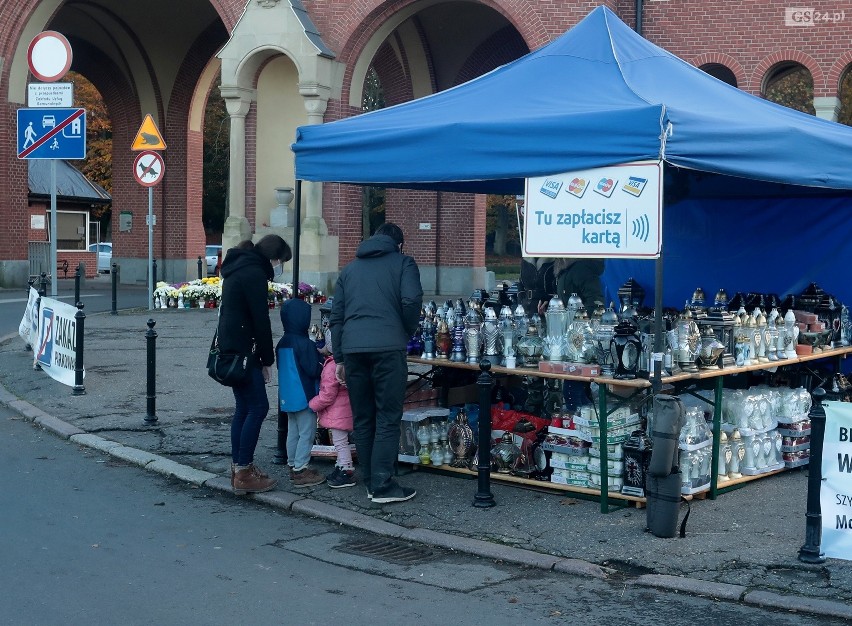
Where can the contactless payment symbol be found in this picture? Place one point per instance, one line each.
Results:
(551, 187)
(635, 185)
(606, 186)
(577, 187)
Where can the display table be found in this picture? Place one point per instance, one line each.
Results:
(626, 391)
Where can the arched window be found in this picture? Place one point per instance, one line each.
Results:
(790, 84)
(845, 115)
(722, 72)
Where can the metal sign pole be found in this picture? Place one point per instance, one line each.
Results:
(53, 234)
(150, 248)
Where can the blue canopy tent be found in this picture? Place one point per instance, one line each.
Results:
(757, 198)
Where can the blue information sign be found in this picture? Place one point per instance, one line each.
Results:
(51, 133)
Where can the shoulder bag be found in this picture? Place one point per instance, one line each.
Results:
(227, 368)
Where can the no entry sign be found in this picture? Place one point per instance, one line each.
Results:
(49, 56)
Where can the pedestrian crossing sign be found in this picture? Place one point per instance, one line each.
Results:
(148, 137)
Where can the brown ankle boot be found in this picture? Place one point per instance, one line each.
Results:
(247, 481)
(254, 468)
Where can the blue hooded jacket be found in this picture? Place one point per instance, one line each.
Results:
(299, 361)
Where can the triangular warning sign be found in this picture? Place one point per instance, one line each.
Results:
(148, 137)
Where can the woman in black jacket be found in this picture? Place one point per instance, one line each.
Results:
(244, 328)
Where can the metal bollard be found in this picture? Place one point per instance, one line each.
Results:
(77, 277)
(42, 289)
(810, 552)
(280, 457)
(154, 272)
(200, 275)
(151, 395)
(114, 279)
(30, 283)
(484, 498)
(79, 324)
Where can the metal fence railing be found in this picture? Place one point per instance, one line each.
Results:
(39, 257)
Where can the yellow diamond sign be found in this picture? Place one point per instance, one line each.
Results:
(148, 137)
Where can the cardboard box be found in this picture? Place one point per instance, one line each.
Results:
(581, 369)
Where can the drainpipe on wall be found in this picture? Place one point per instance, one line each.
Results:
(638, 17)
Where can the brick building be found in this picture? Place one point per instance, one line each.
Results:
(285, 63)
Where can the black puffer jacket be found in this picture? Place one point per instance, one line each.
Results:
(244, 317)
(377, 300)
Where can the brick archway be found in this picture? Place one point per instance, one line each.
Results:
(762, 70)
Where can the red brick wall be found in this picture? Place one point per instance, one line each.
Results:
(750, 37)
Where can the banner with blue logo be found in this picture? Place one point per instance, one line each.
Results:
(55, 348)
(836, 493)
(605, 212)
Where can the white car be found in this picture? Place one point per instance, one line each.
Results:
(104, 251)
(212, 253)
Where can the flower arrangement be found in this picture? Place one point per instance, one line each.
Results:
(209, 291)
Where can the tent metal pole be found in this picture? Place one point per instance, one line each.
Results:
(659, 336)
(656, 379)
(297, 233)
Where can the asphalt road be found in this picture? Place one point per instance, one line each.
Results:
(87, 540)
(96, 297)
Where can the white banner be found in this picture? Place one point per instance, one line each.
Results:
(28, 329)
(836, 493)
(605, 212)
(57, 340)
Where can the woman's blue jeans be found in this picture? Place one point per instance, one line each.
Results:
(252, 405)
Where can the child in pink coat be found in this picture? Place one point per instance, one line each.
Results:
(332, 407)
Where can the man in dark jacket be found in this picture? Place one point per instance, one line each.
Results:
(375, 312)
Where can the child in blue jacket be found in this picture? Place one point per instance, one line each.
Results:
(299, 371)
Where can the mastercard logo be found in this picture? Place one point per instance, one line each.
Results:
(577, 187)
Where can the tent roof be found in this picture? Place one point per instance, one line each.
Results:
(598, 95)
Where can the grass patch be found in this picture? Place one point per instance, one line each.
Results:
(505, 267)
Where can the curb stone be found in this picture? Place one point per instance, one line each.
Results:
(695, 586)
(94, 441)
(797, 603)
(182, 472)
(477, 547)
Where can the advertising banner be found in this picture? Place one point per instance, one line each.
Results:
(605, 212)
(57, 340)
(836, 492)
(28, 329)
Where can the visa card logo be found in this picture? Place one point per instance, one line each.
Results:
(635, 185)
(551, 187)
(577, 187)
(606, 186)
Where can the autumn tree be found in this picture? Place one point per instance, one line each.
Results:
(216, 156)
(501, 221)
(372, 198)
(792, 86)
(98, 164)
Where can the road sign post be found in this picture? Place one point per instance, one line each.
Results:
(51, 133)
(148, 169)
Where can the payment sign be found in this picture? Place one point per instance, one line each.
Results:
(51, 133)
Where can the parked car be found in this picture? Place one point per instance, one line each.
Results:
(212, 253)
(104, 251)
